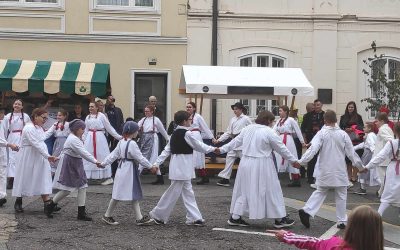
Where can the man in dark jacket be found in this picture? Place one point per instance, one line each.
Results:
(116, 119)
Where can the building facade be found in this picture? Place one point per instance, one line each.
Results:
(143, 41)
(328, 39)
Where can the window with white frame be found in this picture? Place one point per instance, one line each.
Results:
(261, 60)
(128, 5)
(390, 67)
(31, 3)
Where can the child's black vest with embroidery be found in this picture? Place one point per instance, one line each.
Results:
(178, 144)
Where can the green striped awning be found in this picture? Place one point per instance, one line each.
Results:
(53, 77)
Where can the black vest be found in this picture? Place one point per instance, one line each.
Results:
(178, 143)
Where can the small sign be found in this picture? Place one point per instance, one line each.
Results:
(294, 91)
(205, 89)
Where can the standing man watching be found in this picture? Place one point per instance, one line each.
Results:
(237, 123)
(116, 119)
(157, 111)
(312, 123)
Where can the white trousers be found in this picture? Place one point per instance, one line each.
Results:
(231, 156)
(317, 199)
(381, 173)
(3, 181)
(168, 200)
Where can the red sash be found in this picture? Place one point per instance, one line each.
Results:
(94, 141)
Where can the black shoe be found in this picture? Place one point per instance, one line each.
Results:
(198, 223)
(159, 180)
(295, 183)
(361, 192)
(158, 222)
(10, 182)
(109, 221)
(204, 180)
(223, 182)
(304, 218)
(82, 215)
(341, 226)
(48, 208)
(284, 222)
(145, 220)
(239, 222)
(3, 201)
(18, 205)
(311, 181)
(56, 208)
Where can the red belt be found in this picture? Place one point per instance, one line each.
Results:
(195, 129)
(397, 168)
(94, 141)
(284, 142)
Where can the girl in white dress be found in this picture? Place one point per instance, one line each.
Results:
(70, 175)
(96, 142)
(391, 192)
(60, 130)
(126, 182)
(33, 174)
(285, 128)
(257, 193)
(149, 126)
(201, 131)
(13, 124)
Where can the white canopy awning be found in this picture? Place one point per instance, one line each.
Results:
(238, 81)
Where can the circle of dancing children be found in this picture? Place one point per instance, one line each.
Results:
(181, 148)
(12, 124)
(33, 174)
(60, 130)
(149, 143)
(257, 193)
(236, 124)
(95, 142)
(286, 127)
(200, 131)
(70, 174)
(127, 185)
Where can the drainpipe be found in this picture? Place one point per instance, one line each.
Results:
(214, 61)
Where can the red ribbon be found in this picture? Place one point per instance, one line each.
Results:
(284, 142)
(397, 167)
(94, 142)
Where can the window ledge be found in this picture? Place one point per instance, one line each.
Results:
(33, 6)
(125, 11)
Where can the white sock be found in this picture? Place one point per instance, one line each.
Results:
(235, 216)
(60, 195)
(81, 197)
(111, 207)
(136, 209)
(382, 208)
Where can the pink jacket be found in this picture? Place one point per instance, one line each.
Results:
(312, 243)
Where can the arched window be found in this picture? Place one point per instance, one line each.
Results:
(390, 67)
(261, 60)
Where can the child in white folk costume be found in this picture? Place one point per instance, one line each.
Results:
(33, 174)
(385, 134)
(60, 130)
(371, 178)
(391, 192)
(333, 145)
(236, 124)
(149, 127)
(181, 170)
(3, 166)
(70, 175)
(257, 193)
(286, 127)
(127, 182)
(12, 124)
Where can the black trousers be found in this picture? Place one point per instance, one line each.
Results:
(310, 169)
(112, 142)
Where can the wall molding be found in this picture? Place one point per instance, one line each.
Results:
(92, 18)
(61, 17)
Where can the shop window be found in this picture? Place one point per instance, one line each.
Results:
(129, 5)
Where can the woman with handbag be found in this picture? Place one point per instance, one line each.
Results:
(351, 122)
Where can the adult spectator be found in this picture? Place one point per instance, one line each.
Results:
(116, 119)
(350, 122)
(383, 109)
(312, 123)
(157, 111)
(77, 113)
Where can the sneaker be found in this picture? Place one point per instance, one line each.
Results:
(109, 221)
(361, 192)
(341, 226)
(158, 222)
(239, 222)
(144, 220)
(107, 182)
(3, 201)
(304, 218)
(284, 222)
(350, 185)
(313, 186)
(199, 223)
(223, 182)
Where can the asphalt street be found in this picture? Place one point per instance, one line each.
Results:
(32, 230)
